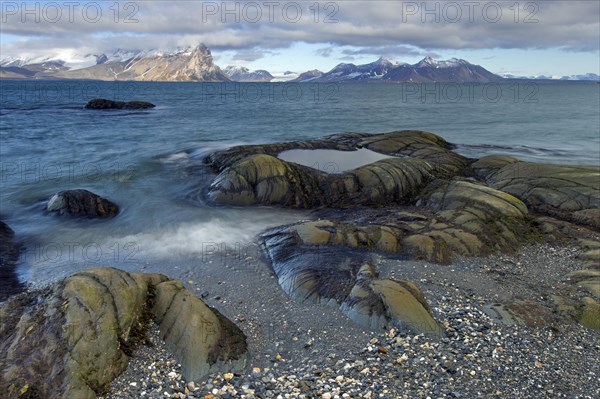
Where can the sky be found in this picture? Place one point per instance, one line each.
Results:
(525, 38)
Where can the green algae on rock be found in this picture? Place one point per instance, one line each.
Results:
(465, 207)
(70, 339)
(253, 175)
(568, 192)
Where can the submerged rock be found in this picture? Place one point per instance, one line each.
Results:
(82, 203)
(9, 255)
(101, 103)
(72, 339)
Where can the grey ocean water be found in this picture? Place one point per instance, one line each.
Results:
(149, 161)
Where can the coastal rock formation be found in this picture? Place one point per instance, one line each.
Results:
(102, 103)
(82, 203)
(310, 271)
(424, 202)
(325, 261)
(567, 192)
(72, 338)
(9, 255)
(254, 175)
(203, 340)
(464, 218)
(417, 144)
(470, 219)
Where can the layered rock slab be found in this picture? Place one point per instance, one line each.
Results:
(71, 339)
(310, 271)
(326, 261)
(266, 180)
(570, 193)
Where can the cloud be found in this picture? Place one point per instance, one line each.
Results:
(390, 51)
(390, 28)
(325, 51)
(251, 54)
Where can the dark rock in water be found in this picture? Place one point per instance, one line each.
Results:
(9, 255)
(82, 203)
(101, 103)
(71, 339)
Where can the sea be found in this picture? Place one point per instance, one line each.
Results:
(149, 162)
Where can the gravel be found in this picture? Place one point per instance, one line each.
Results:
(301, 351)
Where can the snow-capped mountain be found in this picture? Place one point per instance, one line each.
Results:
(429, 62)
(196, 64)
(188, 64)
(243, 74)
(426, 70)
(449, 71)
(184, 64)
(22, 61)
(342, 72)
(24, 69)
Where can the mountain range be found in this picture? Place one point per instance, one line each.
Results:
(196, 64)
(192, 64)
(425, 71)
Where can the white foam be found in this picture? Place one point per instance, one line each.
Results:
(175, 157)
(195, 239)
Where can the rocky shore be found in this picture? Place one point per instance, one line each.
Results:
(423, 274)
(479, 356)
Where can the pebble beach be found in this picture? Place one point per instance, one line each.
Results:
(479, 357)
